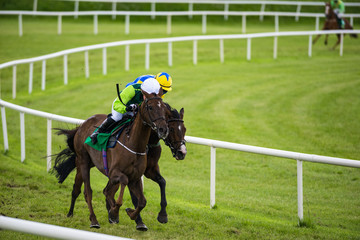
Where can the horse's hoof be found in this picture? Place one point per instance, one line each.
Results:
(162, 218)
(112, 218)
(69, 215)
(141, 227)
(96, 225)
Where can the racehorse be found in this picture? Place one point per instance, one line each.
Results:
(331, 24)
(126, 162)
(176, 142)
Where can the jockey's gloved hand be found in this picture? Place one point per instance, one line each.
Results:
(131, 108)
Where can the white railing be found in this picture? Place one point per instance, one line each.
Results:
(299, 157)
(147, 43)
(169, 16)
(51, 231)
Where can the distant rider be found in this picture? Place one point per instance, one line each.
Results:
(339, 10)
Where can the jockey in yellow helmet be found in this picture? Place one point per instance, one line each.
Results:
(163, 78)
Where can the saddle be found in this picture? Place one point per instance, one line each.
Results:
(108, 140)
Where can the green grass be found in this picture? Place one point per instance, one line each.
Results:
(292, 103)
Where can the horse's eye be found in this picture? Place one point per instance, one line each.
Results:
(150, 108)
(171, 130)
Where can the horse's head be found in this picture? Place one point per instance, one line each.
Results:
(152, 111)
(329, 13)
(176, 137)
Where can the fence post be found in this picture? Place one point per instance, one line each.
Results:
(104, 61)
(221, 50)
(87, 71)
(147, 56)
(65, 70)
(300, 190)
(243, 23)
(127, 24)
(48, 146)
(153, 9)
(275, 47)
(204, 24)
(317, 24)
(20, 25)
(35, 6)
(168, 24)
(127, 57)
(170, 54)
(195, 52)
(248, 52)
(59, 24)
(31, 70)
(310, 46)
(14, 82)
(298, 9)
(276, 23)
(22, 136)
(43, 74)
(76, 9)
(212, 175)
(114, 10)
(262, 10)
(226, 10)
(95, 24)
(190, 10)
(4, 127)
(341, 44)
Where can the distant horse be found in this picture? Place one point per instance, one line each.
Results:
(331, 24)
(126, 162)
(176, 142)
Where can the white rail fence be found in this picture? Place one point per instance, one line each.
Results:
(147, 42)
(169, 15)
(299, 157)
(51, 231)
(191, 3)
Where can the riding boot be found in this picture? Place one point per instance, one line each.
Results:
(105, 126)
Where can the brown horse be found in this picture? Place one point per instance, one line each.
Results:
(126, 162)
(176, 142)
(331, 24)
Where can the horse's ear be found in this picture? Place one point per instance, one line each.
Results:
(145, 94)
(182, 113)
(161, 92)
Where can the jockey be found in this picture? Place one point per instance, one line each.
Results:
(339, 9)
(163, 78)
(125, 106)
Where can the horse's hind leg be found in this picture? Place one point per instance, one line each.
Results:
(75, 192)
(85, 172)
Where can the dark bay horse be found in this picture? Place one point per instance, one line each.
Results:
(126, 162)
(331, 24)
(176, 142)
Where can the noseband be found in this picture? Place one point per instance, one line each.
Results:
(152, 124)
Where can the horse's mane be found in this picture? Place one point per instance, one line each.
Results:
(174, 112)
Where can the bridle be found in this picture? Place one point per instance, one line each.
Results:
(171, 144)
(147, 108)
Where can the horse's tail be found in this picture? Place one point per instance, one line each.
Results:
(65, 160)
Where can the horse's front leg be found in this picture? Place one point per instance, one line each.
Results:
(326, 39)
(137, 189)
(316, 38)
(115, 179)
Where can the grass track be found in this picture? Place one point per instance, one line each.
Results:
(292, 103)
